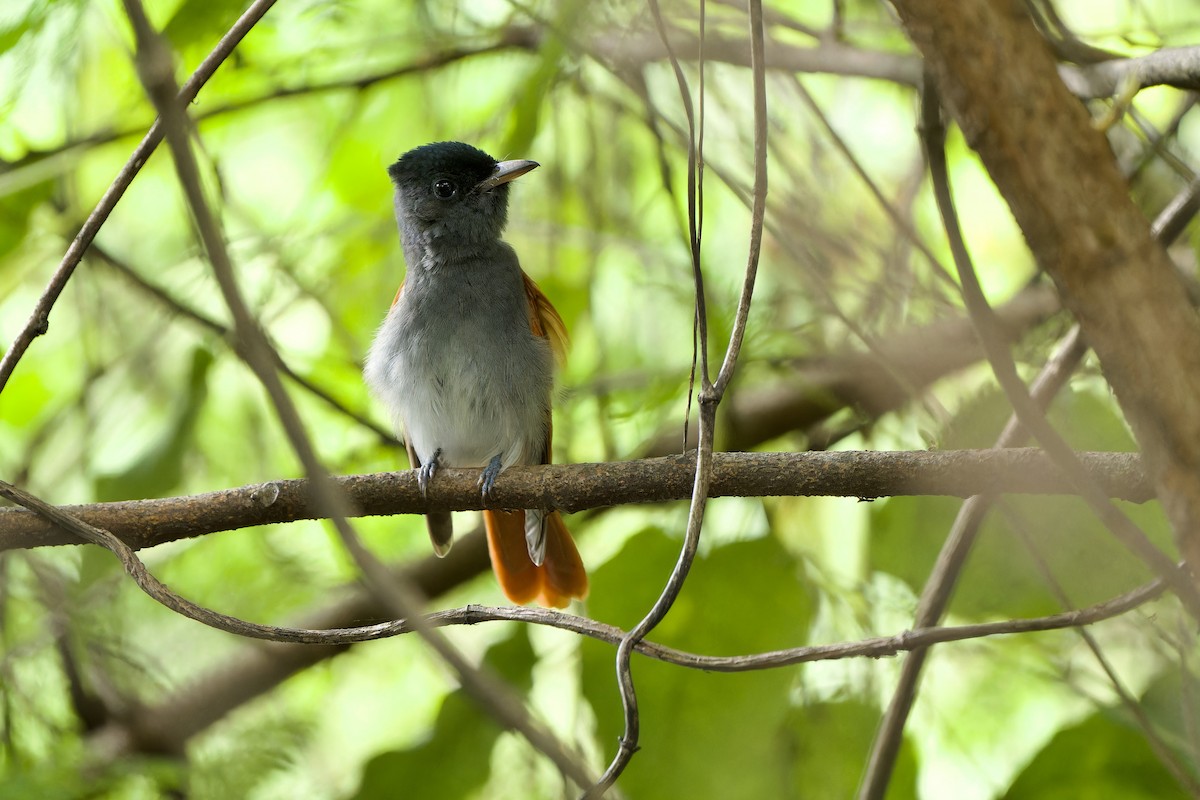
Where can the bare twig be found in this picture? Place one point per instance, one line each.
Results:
(758, 208)
(864, 474)
(1170, 66)
(159, 591)
(882, 367)
(876, 647)
(628, 743)
(1067, 46)
(39, 320)
(902, 223)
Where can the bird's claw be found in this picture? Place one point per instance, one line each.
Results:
(426, 472)
(488, 479)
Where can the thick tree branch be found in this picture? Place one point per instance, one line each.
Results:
(1059, 177)
(575, 487)
(1178, 67)
(829, 58)
(1025, 408)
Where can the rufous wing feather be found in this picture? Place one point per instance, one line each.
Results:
(545, 321)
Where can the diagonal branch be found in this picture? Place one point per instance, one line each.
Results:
(1060, 180)
(154, 63)
(226, 335)
(39, 319)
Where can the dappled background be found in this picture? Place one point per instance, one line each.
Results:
(857, 340)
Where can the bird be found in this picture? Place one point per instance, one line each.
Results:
(464, 359)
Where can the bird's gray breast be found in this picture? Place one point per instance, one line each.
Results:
(458, 365)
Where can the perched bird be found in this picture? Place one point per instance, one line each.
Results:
(465, 358)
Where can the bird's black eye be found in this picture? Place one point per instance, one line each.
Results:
(444, 189)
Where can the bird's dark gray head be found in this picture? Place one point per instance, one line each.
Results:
(449, 193)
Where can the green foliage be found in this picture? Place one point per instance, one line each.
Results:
(201, 22)
(135, 391)
(30, 21)
(245, 755)
(66, 779)
(16, 209)
(1172, 704)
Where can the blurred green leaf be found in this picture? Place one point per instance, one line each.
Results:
(1098, 759)
(829, 744)
(159, 470)
(16, 209)
(525, 110)
(453, 762)
(15, 28)
(1172, 704)
(202, 22)
(65, 778)
(1001, 577)
(703, 734)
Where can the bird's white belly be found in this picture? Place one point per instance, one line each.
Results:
(449, 394)
(464, 420)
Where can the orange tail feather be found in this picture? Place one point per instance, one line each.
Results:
(560, 578)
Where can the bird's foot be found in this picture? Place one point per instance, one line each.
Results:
(488, 479)
(426, 472)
